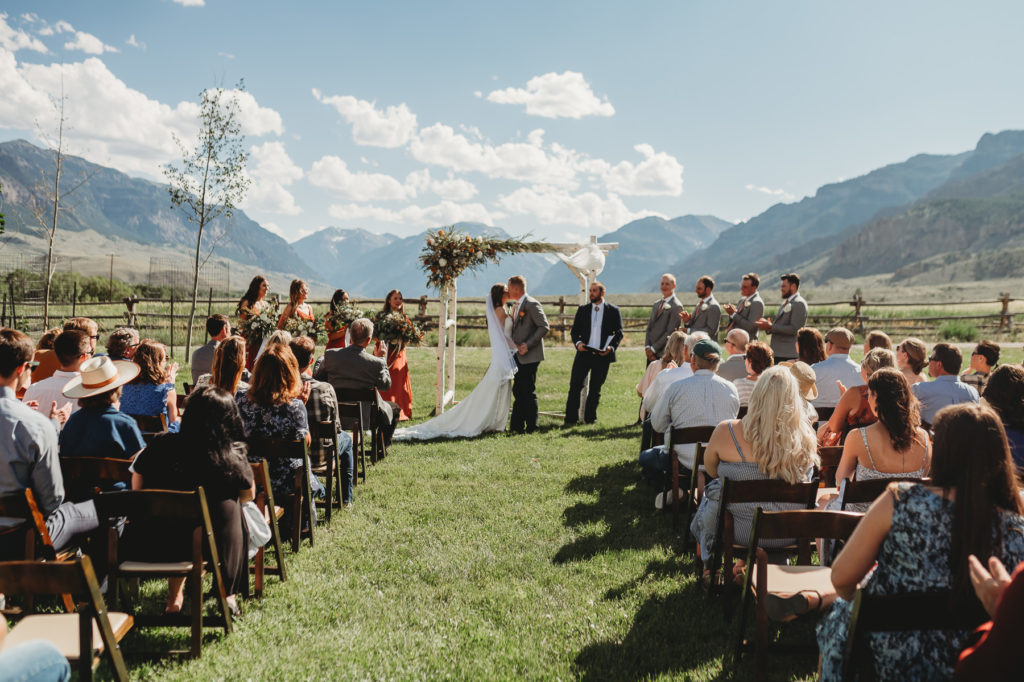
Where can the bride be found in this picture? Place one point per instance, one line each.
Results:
(486, 408)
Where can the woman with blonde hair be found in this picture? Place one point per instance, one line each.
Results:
(670, 359)
(773, 441)
(853, 410)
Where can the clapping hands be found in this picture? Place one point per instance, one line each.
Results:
(764, 324)
(988, 585)
(684, 316)
(729, 308)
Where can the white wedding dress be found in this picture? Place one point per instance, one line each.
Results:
(485, 409)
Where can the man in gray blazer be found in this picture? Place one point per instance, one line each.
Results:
(219, 328)
(708, 313)
(353, 367)
(529, 326)
(749, 309)
(792, 315)
(664, 319)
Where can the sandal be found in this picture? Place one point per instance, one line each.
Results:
(783, 609)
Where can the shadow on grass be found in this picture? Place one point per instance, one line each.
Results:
(599, 431)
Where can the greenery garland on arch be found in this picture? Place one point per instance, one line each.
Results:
(449, 252)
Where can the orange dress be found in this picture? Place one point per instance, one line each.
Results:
(338, 340)
(400, 392)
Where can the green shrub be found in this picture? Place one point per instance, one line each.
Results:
(958, 330)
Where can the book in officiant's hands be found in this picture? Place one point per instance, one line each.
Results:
(602, 348)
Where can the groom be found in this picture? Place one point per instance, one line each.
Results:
(529, 325)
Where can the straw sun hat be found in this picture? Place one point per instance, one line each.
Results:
(99, 375)
(805, 377)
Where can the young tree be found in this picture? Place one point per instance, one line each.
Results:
(210, 181)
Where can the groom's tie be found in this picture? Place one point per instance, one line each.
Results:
(661, 306)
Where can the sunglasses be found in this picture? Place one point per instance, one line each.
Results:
(32, 364)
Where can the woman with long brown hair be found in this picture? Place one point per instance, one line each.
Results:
(810, 345)
(297, 307)
(336, 337)
(252, 303)
(918, 539)
(400, 392)
(228, 366)
(152, 392)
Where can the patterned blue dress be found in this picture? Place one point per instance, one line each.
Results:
(147, 399)
(914, 557)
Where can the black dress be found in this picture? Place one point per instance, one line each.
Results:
(169, 463)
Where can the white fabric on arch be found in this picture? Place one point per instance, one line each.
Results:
(588, 259)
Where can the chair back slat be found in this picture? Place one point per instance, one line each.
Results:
(93, 474)
(22, 505)
(275, 448)
(862, 492)
(169, 505)
(804, 523)
(149, 423)
(768, 490)
(691, 435)
(824, 413)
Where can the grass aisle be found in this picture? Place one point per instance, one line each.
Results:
(502, 557)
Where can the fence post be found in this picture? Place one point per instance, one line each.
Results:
(858, 302)
(209, 309)
(14, 314)
(422, 306)
(3, 315)
(1005, 321)
(74, 300)
(561, 317)
(172, 321)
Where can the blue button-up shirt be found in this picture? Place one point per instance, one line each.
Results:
(28, 453)
(944, 391)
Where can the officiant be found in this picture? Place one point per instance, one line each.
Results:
(596, 333)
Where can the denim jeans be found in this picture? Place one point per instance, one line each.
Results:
(38, 661)
(69, 520)
(345, 463)
(654, 463)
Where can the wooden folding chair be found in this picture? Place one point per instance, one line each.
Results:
(83, 637)
(328, 463)
(698, 436)
(24, 525)
(300, 496)
(369, 419)
(150, 425)
(147, 508)
(86, 476)
(747, 492)
(900, 613)
(763, 579)
(830, 456)
(825, 413)
(864, 492)
(742, 412)
(265, 503)
(351, 415)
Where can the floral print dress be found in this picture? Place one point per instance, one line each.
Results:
(914, 557)
(287, 421)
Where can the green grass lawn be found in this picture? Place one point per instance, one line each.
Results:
(537, 557)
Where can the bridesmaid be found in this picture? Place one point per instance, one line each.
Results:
(400, 392)
(252, 302)
(336, 337)
(297, 306)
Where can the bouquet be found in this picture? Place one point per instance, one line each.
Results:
(450, 252)
(297, 326)
(396, 329)
(260, 325)
(344, 315)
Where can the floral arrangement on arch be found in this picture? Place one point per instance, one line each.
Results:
(344, 315)
(449, 252)
(257, 327)
(296, 326)
(396, 329)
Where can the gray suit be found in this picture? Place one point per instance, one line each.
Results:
(353, 367)
(706, 318)
(529, 325)
(734, 368)
(785, 327)
(661, 324)
(745, 317)
(202, 360)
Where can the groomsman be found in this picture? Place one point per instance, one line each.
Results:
(596, 333)
(708, 313)
(792, 315)
(529, 326)
(750, 308)
(664, 319)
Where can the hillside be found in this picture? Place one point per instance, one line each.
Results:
(335, 253)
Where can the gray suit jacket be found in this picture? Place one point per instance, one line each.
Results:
(353, 367)
(785, 327)
(707, 319)
(745, 317)
(734, 368)
(530, 326)
(202, 360)
(660, 327)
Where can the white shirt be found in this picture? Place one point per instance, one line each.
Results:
(836, 366)
(596, 317)
(49, 390)
(705, 399)
(663, 380)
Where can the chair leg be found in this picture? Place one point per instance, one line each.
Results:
(296, 521)
(197, 611)
(222, 598)
(330, 486)
(761, 620)
(259, 560)
(275, 538)
(307, 493)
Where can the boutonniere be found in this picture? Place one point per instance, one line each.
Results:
(522, 313)
(786, 308)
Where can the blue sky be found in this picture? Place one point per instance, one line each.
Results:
(557, 119)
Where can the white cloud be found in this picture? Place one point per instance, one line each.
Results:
(190, 3)
(226, 55)
(271, 170)
(132, 41)
(89, 44)
(444, 213)
(658, 174)
(392, 127)
(780, 193)
(453, 189)
(556, 95)
(64, 27)
(15, 39)
(330, 172)
(552, 206)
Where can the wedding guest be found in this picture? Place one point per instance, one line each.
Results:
(807, 382)
(773, 441)
(209, 451)
(336, 337)
(1004, 392)
(837, 367)
(228, 370)
(735, 366)
(252, 303)
(596, 333)
(791, 316)
(278, 337)
(665, 379)
(400, 392)
(810, 346)
(218, 327)
(297, 307)
(758, 358)
(895, 446)
(28, 449)
(664, 319)
(37, 660)
(47, 359)
(946, 388)
(912, 358)
(998, 654)
(99, 428)
(122, 342)
(854, 409)
(322, 406)
(749, 309)
(918, 539)
(672, 358)
(86, 325)
(877, 339)
(152, 393)
(45, 341)
(72, 349)
(983, 360)
(708, 313)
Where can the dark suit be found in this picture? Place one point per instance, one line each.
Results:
(590, 362)
(353, 367)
